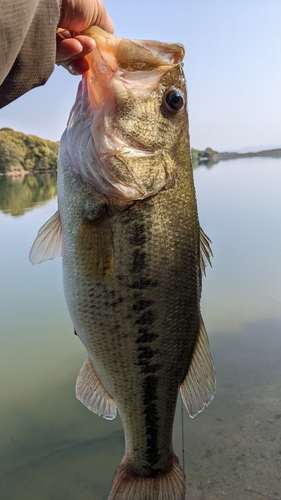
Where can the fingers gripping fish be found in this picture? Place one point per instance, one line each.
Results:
(133, 255)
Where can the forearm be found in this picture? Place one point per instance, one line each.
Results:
(27, 45)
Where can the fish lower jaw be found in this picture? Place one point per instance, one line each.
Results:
(106, 172)
(92, 151)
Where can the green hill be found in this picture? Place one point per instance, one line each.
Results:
(208, 157)
(20, 153)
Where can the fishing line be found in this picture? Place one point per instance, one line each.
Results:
(182, 437)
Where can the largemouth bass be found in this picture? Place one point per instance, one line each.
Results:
(133, 255)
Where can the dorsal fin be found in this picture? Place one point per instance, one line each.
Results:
(48, 243)
(205, 251)
(199, 385)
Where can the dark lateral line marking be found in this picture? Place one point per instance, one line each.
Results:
(142, 304)
(138, 236)
(151, 419)
(145, 353)
(144, 283)
(150, 369)
(146, 335)
(147, 318)
(138, 261)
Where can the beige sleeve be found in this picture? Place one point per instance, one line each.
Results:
(27, 45)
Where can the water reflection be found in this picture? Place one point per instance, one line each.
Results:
(21, 193)
(233, 449)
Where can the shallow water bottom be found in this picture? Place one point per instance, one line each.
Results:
(232, 449)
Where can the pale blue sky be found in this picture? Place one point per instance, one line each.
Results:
(232, 67)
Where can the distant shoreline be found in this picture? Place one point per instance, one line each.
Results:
(22, 154)
(209, 157)
(272, 153)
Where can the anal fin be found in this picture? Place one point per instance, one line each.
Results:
(199, 386)
(90, 391)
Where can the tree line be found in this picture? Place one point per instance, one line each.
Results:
(26, 153)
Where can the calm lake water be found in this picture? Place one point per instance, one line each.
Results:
(51, 446)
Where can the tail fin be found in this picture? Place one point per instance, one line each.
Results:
(129, 486)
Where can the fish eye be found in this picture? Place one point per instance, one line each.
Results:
(174, 100)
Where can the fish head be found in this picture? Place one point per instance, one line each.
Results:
(126, 127)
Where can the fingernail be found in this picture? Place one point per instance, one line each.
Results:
(81, 47)
(72, 70)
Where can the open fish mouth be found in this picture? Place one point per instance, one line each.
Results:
(138, 65)
(122, 89)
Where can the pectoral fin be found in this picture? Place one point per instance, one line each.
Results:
(199, 385)
(90, 391)
(95, 241)
(205, 251)
(48, 243)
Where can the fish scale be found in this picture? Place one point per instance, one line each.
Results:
(133, 255)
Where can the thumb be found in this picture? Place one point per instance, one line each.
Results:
(78, 15)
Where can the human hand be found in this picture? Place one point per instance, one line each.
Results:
(77, 15)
